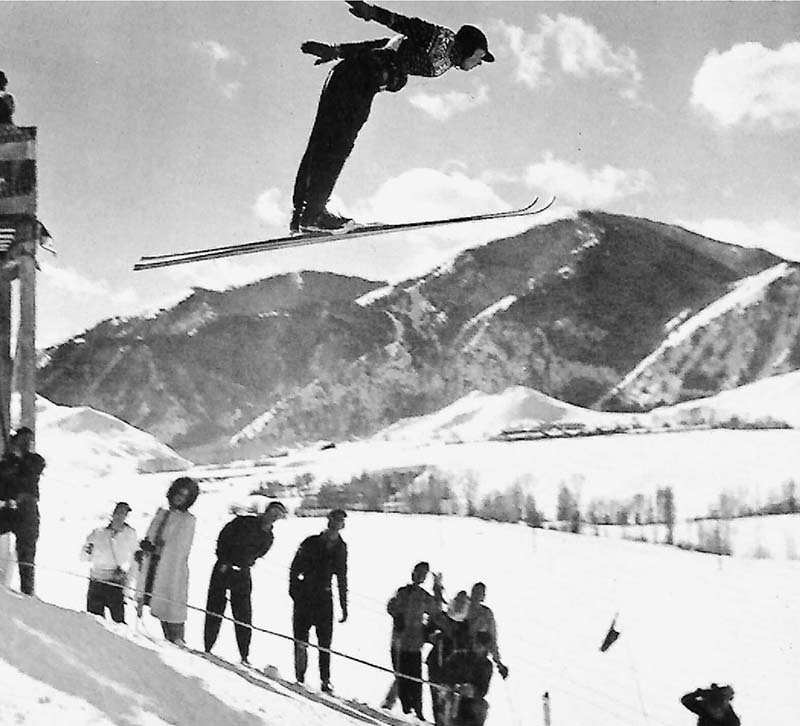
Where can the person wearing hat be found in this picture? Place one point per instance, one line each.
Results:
(6, 101)
(712, 706)
(364, 69)
(110, 549)
(318, 559)
(241, 542)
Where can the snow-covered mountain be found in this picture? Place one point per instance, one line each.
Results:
(599, 307)
(479, 416)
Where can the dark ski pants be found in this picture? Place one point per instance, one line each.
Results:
(320, 617)
(24, 523)
(102, 595)
(238, 583)
(344, 107)
(409, 663)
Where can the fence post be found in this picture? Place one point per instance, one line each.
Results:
(546, 708)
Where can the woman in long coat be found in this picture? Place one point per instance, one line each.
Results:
(164, 577)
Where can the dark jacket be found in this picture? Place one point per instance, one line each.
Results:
(468, 667)
(242, 541)
(313, 568)
(19, 476)
(696, 703)
(450, 636)
(411, 608)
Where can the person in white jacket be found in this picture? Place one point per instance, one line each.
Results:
(110, 549)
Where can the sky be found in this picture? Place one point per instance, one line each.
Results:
(175, 126)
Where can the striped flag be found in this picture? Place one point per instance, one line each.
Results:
(7, 235)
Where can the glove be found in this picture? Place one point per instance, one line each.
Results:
(361, 9)
(88, 548)
(324, 52)
(502, 670)
(344, 614)
(147, 546)
(137, 557)
(222, 568)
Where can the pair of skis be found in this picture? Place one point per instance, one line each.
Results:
(369, 230)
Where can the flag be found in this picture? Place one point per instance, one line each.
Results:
(45, 240)
(611, 636)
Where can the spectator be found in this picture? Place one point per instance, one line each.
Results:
(20, 470)
(317, 560)
(164, 554)
(451, 635)
(712, 706)
(6, 101)
(240, 543)
(411, 608)
(110, 549)
(481, 620)
(468, 673)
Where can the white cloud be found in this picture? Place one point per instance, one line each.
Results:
(774, 236)
(70, 281)
(268, 207)
(223, 63)
(443, 106)
(750, 84)
(581, 187)
(574, 47)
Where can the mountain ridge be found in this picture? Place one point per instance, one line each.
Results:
(568, 308)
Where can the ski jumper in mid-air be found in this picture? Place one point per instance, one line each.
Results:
(364, 69)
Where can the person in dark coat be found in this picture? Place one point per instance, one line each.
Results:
(364, 70)
(412, 609)
(20, 470)
(712, 706)
(241, 542)
(317, 560)
(450, 635)
(469, 673)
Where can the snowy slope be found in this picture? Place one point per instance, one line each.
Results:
(63, 666)
(79, 436)
(480, 415)
(776, 398)
(686, 619)
(744, 293)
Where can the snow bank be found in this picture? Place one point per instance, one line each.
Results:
(80, 437)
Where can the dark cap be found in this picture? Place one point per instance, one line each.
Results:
(470, 39)
(122, 505)
(337, 514)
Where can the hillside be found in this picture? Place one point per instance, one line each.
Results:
(570, 308)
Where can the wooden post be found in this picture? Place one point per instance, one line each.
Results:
(26, 370)
(5, 362)
(18, 206)
(546, 707)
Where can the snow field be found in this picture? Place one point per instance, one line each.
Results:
(686, 619)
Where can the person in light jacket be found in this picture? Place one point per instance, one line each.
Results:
(164, 583)
(110, 549)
